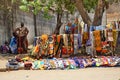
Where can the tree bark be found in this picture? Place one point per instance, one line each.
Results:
(79, 5)
(99, 13)
(59, 23)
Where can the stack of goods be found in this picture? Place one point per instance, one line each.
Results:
(61, 63)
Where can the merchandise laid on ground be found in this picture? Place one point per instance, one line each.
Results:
(28, 63)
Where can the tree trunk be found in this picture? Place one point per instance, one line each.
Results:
(79, 5)
(99, 13)
(35, 25)
(59, 23)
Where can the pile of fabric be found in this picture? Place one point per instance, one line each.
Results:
(28, 63)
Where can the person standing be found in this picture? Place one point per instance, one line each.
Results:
(22, 42)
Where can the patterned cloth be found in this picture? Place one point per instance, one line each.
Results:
(117, 49)
(115, 33)
(97, 40)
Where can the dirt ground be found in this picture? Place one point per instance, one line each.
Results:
(109, 73)
(80, 74)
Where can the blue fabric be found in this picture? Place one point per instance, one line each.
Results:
(92, 28)
(79, 41)
(99, 27)
(13, 45)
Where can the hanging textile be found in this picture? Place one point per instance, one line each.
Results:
(85, 34)
(51, 45)
(97, 40)
(76, 43)
(13, 45)
(117, 49)
(44, 44)
(70, 43)
(109, 35)
(57, 45)
(115, 34)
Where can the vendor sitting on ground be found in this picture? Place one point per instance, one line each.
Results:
(5, 48)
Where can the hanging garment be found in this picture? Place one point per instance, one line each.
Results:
(103, 38)
(75, 43)
(109, 35)
(117, 49)
(67, 29)
(91, 47)
(85, 34)
(65, 44)
(97, 40)
(57, 44)
(84, 37)
(79, 41)
(70, 44)
(92, 28)
(51, 45)
(13, 45)
(44, 44)
(73, 28)
(115, 34)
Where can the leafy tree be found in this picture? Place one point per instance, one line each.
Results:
(46, 6)
(59, 6)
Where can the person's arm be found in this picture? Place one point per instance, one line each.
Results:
(27, 31)
(16, 31)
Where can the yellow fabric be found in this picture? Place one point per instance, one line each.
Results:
(114, 37)
(44, 37)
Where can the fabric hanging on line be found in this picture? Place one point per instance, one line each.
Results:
(117, 49)
(13, 45)
(109, 35)
(115, 34)
(79, 38)
(51, 44)
(44, 44)
(82, 27)
(85, 36)
(72, 44)
(97, 40)
(92, 28)
(91, 48)
(57, 42)
(76, 43)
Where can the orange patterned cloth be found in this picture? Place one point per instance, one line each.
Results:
(97, 39)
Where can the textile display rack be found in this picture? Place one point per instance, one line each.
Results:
(77, 39)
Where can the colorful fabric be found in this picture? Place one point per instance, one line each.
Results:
(13, 45)
(117, 49)
(57, 44)
(109, 35)
(97, 40)
(115, 33)
(76, 44)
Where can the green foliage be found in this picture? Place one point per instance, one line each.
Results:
(24, 8)
(35, 6)
(90, 4)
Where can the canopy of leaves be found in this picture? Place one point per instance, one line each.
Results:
(45, 6)
(90, 4)
(35, 6)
